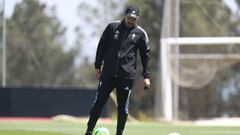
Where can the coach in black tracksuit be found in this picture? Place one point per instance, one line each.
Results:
(116, 64)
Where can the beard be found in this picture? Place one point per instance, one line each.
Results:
(129, 25)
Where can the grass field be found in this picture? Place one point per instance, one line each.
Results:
(144, 128)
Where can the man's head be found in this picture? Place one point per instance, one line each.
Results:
(131, 16)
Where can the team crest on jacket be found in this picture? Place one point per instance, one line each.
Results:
(133, 36)
(116, 35)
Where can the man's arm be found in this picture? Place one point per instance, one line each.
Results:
(145, 58)
(101, 48)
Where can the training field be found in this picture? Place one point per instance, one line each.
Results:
(140, 128)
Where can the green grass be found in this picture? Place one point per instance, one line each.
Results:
(151, 128)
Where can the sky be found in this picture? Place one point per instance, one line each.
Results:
(232, 4)
(67, 13)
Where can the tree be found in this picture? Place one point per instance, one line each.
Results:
(35, 48)
(236, 24)
(229, 87)
(1, 32)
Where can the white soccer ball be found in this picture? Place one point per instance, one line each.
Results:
(174, 133)
(101, 131)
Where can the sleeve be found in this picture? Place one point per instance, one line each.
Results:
(145, 55)
(101, 48)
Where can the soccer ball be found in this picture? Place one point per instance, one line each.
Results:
(101, 131)
(174, 133)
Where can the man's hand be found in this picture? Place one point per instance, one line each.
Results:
(98, 73)
(146, 83)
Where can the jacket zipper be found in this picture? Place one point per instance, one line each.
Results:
(119, 53)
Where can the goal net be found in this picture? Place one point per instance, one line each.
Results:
(199, 60)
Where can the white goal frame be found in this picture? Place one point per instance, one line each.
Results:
(168, 104)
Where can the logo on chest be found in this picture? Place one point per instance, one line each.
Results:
(133, 36)
(116, 35)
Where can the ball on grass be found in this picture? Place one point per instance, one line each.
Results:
(101, 131)
(174, 133)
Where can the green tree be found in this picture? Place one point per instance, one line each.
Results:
(236, 25)
(35, 48)
(229, 88)
(203, 18)
(1, 32)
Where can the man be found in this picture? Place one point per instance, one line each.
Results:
(115, 65)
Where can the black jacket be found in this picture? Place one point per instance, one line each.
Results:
(117, 51)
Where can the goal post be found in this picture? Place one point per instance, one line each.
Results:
(201, 40)
(166, 56)
(189, 37)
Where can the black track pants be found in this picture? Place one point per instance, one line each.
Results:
(105, 87)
